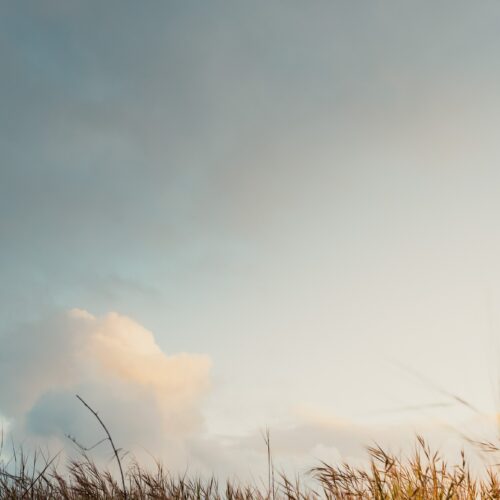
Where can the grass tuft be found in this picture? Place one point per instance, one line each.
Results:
(424, 475)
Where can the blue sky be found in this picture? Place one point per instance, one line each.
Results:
(306, 193)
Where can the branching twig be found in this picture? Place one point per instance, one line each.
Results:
(115, 450)
(85, 448)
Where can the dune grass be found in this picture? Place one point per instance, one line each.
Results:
(422, 476)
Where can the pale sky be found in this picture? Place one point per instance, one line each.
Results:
(303, 197)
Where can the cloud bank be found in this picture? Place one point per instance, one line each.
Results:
(152, 403)
(148, 398)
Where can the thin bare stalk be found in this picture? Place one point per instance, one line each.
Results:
(115, 451)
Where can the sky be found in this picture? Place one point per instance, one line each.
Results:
(226, 216)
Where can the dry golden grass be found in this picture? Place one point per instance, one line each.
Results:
(423, 476)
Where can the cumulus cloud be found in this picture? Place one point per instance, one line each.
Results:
(149, 398)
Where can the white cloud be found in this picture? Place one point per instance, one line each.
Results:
(148, 399)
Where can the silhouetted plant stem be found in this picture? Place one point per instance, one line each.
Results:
(115, 451)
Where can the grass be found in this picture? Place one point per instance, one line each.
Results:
(423, 476)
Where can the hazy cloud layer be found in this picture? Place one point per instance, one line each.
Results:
(300, 190)
(153, 403)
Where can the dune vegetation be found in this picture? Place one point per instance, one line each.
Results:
(422, 475)
(425, 475)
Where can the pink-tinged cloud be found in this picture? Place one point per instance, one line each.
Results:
(147, 397)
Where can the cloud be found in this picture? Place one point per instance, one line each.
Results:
(152, 403)
(312, 439)
(147, 398)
